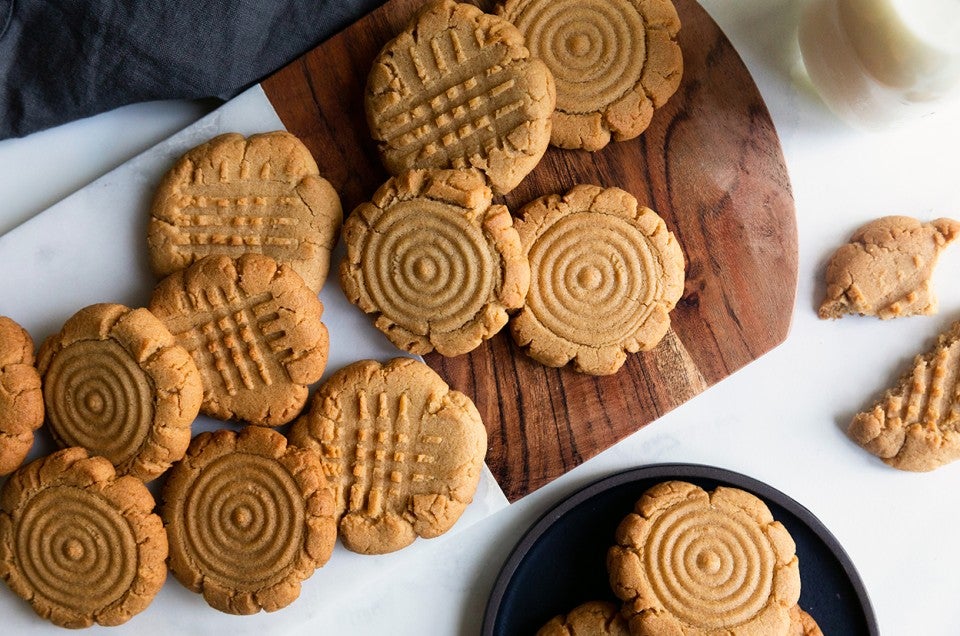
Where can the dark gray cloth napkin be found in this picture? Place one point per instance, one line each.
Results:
(61, 60)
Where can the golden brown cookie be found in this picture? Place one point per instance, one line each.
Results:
(435, 261)
(80, 543)
(595, 618)
(613, 61)
(802, 624)
(116, 384)
(458, 89)
(404, 450)
(21, 401)
(604, 275)
(253, 327)
(692, 562)
(233, 195)
(914, 426)
(249, 518)
(886, 267)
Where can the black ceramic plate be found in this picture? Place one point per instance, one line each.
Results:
(561, 561)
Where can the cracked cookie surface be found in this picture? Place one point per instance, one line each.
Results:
(604, 275)
(248, 518)
(116, 383)
(693, 562)
(594, 618)
(79, 542)
(886, 267)
(21, 399)
(458, 89)
(613, 62)
(404, 451)
(916, 425)
(233, 195)
(435, 261)
(254, 329)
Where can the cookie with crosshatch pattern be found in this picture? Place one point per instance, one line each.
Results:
(254, 330)
(458, 89)
(435, 261)
(236, 194)
(404, 451)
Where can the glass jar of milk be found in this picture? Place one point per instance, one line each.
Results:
(875, 62)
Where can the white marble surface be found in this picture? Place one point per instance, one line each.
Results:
(780, 419)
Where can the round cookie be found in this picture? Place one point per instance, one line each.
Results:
(613, 61)
(248, 518)
(233, 195)
(435, 261)
(458, 89)
(594, 618)
(404, 451)
(21, 401)
(692, 562)
(254, 330)
(604, 275)
(80, 543)
(116, 384)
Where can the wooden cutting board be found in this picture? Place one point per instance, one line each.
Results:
(710, 164)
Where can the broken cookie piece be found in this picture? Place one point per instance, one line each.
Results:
(886, 267)
(915, 425)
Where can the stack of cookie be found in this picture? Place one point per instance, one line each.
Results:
(463, 105)
(687, 561)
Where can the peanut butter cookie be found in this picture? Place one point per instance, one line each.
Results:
(404, 450)
(435, 261)
(886, 267)
(21, 400)
(692, 562)
(802, 624)
(233, 195)
(916, 425)
(253, 328)
(458, 89)
(249, 518)
(613, 61)
(116, 384)
(595, 618)
(80, 543)
(604, 275)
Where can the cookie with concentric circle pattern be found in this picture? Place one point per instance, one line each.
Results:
(613, 61)
(116, 383)
(248, 519)
(688, 561)
(604, 274)
(79, 542)
(458, 89)
(403, 450)
(21, 400)
(436, 262)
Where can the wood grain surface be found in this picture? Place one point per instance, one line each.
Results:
(710, 164)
